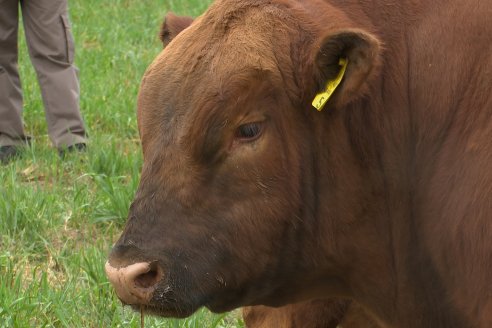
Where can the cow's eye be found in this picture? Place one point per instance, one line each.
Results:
(249, 131)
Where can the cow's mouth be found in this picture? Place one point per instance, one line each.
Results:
(171, 310)
(166, 303)
(221, 307)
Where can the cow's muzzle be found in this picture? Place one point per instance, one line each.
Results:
(135, 283)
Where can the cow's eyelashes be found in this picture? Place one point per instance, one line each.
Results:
(249, 131)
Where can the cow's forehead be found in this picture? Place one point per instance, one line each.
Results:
(197, 76)
(202, 60)
(222, 49)
(180, 92)
(212, 65)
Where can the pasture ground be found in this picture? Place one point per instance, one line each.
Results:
(59, 218)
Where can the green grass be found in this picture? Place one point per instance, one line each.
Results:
(59, 218)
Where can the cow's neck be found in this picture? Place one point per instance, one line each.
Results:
(368, 204)
(367, 195)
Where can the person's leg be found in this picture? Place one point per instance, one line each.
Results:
(11, 126)
(51, 49)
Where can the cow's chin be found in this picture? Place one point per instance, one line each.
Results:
(169, 304)
(174, 308)
(169, 311)
(179, 311)
(221, 307)
(177, 306)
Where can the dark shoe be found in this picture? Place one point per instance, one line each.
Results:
(78, 147)
(8, 153)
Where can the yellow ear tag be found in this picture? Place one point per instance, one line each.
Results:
(322, 97)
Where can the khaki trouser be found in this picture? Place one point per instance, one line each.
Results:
(51, 49)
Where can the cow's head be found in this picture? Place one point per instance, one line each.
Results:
(227, 212)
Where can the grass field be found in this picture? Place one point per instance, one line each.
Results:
(59, 218)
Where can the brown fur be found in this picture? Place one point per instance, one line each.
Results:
(311, 314)
(383, 198)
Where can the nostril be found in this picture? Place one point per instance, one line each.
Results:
(135, 283)
(149, 279)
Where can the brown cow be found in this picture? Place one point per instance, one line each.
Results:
(249, 196)
(316, 313)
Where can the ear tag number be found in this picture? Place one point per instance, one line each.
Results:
(322, 97)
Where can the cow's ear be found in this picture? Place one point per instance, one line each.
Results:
(172, 26)
(344, 63)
